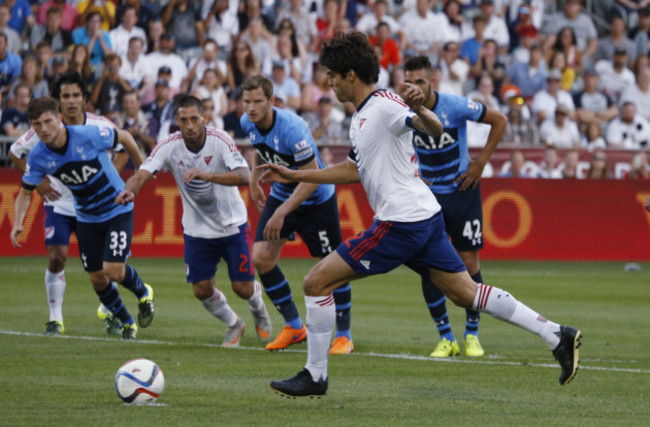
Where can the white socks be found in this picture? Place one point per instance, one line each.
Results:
(321, 316)
(503, 306)
(55, 287)
(255, 302)
(218, 306)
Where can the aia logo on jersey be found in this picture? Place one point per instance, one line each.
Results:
(361, 122)
(207, 160)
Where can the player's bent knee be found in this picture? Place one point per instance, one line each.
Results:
(243, 290)
(203, 289)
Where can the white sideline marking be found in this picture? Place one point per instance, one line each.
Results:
(403, 356)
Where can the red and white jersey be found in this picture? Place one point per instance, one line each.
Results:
(209, 210)
(383, 152)
(23, 145)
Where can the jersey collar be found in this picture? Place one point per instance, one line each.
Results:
(363, 103)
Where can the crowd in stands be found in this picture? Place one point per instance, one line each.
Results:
(562, 81)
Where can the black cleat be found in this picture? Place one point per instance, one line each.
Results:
(146, 308)
(302, 385)
(129, 332)
(53, 328)
(567, 353)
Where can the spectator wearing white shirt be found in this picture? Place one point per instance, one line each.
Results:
(615, 77)
(367, 24)
(135, 68)
(208, 60)
(629, 131)
(546, 101)
(560, 131)
(639, 94)
(454, 19)
(121, 35)
(548, 168)
(425, 31)
(166, 57)
(495, 28)
(454, 69)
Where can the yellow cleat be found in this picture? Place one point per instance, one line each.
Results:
(288, 336)
(473, 347)
(54, 328)
(446, 348)
(342, 345)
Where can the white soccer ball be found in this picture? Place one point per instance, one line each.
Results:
(139, 381)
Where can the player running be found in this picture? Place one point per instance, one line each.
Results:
(448, 172)
(76, 155)
(60, 219)
(409, 227)
(281, 137)
(208, 168)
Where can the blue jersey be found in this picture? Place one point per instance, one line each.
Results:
(444, 158)
(289, 143)
(84, 166)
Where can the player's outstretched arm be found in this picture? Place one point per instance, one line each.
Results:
(21, 207)
(133, 186)
(126, 139)
(341, 173)
(426, 120)
(498, 123)
(238, 176)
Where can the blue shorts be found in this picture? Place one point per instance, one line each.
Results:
(108, 241)
(317, 225)
(203, 255)
(463, 218)
(388, 244)
(58, 228)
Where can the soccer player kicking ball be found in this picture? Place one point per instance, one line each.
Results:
(208, 167)
(409, 227)
(70, 90)
(76, 156)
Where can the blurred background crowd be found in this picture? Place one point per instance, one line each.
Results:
(572, 76)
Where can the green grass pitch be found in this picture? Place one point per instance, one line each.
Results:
(389, 380)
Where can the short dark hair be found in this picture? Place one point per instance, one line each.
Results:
(70, 77)
(418, 63)
(351, 51)
(38, 106)
(186, 101)
(258, 81)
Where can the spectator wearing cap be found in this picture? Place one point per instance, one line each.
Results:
(149, 94)
(615, 77)
(183, 19)
(529, 76)
(325, 123)
(527, 36)
(629, 130)
(521, 22)
(470, 49)
(51, 31)
(160, 112)
(135, 68)
(285, 87)
(591, 104)
(495, 27)
(640, 34)
(13, 38)
(522, 128)
(581, 24)
(639, 94)
(95, 38)
(559, 130)
(106, 9)
(121, 35)
(231, 123)
(387, 49)
(616, 40)
(165, 57)
(109, 90)
(69, 13)
(424, 30)
(546, 101)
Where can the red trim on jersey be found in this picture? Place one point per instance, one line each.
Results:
(391, 96)
(172, 138)
(365, 246)
(223, 137)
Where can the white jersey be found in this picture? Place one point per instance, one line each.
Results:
(23, 145)
(209, 210)
(383, 152)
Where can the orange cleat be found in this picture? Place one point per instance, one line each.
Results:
(288, 336)
(342, 345)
